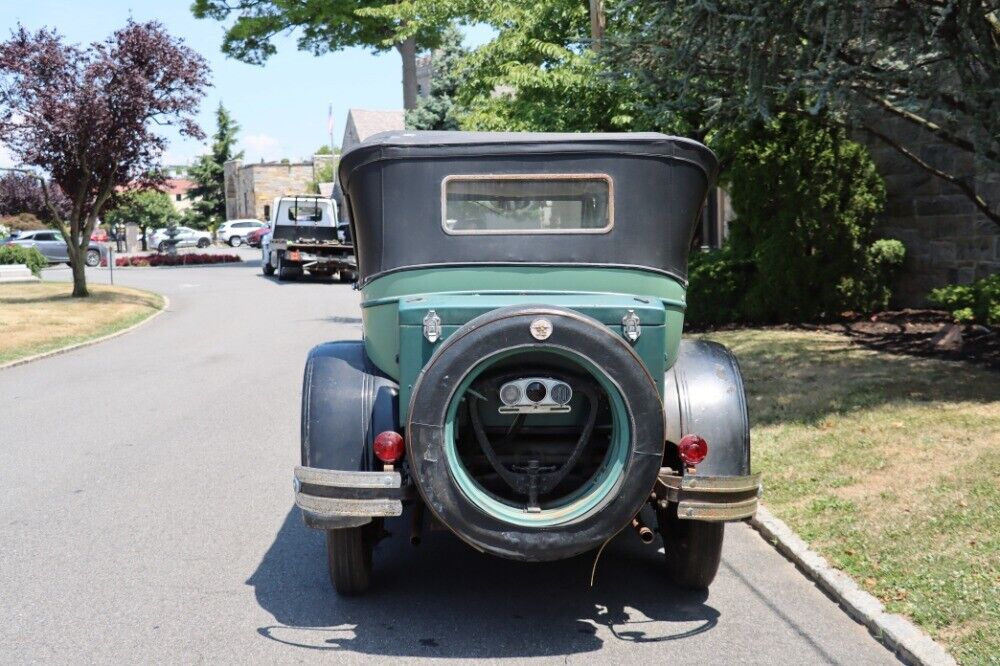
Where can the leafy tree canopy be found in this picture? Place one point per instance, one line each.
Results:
(90, 117)
(932, 64)
(437, 110)
(208, 173)
(147, 208)
(537, 74)
(323, 26)
(21, 193)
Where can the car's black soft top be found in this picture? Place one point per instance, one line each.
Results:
(392, 185)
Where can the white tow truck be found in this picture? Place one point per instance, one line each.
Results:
(305, 236)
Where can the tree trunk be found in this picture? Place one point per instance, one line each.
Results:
(597, 23)
(77, 258)
(408, 52)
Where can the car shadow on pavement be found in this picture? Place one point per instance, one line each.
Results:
(444, 599)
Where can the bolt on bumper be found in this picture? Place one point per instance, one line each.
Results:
(710, 498)
(334, 499)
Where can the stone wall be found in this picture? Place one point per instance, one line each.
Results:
(251, 188)
(947, 239)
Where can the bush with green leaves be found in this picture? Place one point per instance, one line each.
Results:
(716, 285)
(802, 245)
(29, 256)
(978, 302)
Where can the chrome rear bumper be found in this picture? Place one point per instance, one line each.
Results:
(333, 499)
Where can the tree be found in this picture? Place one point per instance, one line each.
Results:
(21, 193)
(436, 111)
(537, 74)
(208, 172)
(88, 117)
(930, 64)
(324, 26)
(147, 208)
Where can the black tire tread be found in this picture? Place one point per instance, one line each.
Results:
(349, 560)
(692, 548)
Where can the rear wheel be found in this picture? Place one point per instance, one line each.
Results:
(282, 270)
(349, 559)
(693, 548)
(235, 241)
(203, 243)
(93, 258)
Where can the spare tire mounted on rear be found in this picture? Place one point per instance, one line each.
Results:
(538, 488)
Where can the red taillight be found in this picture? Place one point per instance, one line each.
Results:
(389, 446)
(693, 449)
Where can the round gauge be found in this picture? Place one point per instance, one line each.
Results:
(510, 394)
(535, 391)
(561, 393)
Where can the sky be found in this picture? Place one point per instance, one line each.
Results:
(281, 107)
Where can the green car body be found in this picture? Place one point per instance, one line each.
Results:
(522, 376)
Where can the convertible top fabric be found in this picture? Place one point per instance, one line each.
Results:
(392, 185)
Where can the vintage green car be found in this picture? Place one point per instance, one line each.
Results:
(522, 379)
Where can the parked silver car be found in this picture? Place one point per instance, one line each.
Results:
(53, 246)
(186, 237)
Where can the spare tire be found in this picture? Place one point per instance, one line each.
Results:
(547, 535)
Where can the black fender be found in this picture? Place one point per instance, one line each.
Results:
(346, 402)
(704, 395)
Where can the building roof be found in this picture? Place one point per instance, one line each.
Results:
(177, 185)
(370, 121)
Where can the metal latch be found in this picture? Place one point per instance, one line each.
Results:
(631, 328)
(432, 326)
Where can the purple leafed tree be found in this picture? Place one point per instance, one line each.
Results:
(89, 118)
(22, 193)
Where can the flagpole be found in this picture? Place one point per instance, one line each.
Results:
(329, 125)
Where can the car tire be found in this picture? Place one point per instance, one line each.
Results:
(235, 241)
(692, 548)
(349, 559)
(347, 276)
(203, 243)
(93, 258)
(266, 267)
(436, 390)
(162, 247)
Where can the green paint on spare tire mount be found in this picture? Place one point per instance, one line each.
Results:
(588, 498)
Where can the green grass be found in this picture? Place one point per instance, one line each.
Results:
(890, 467)
(40, 317)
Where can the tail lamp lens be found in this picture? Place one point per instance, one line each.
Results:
(693, 449)
(389, 446)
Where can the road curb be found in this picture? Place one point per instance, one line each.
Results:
(88, 343)
(910, 643)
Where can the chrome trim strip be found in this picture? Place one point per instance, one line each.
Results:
(712, 484)
(716, 511)
(331, 507)
(343, 479)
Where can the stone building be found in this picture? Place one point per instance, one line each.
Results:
(425, 69)
(363, 123)
(947, 239)
(251, 188)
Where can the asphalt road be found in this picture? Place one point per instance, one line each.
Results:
(146, 516)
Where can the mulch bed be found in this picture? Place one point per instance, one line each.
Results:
(931, 333)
